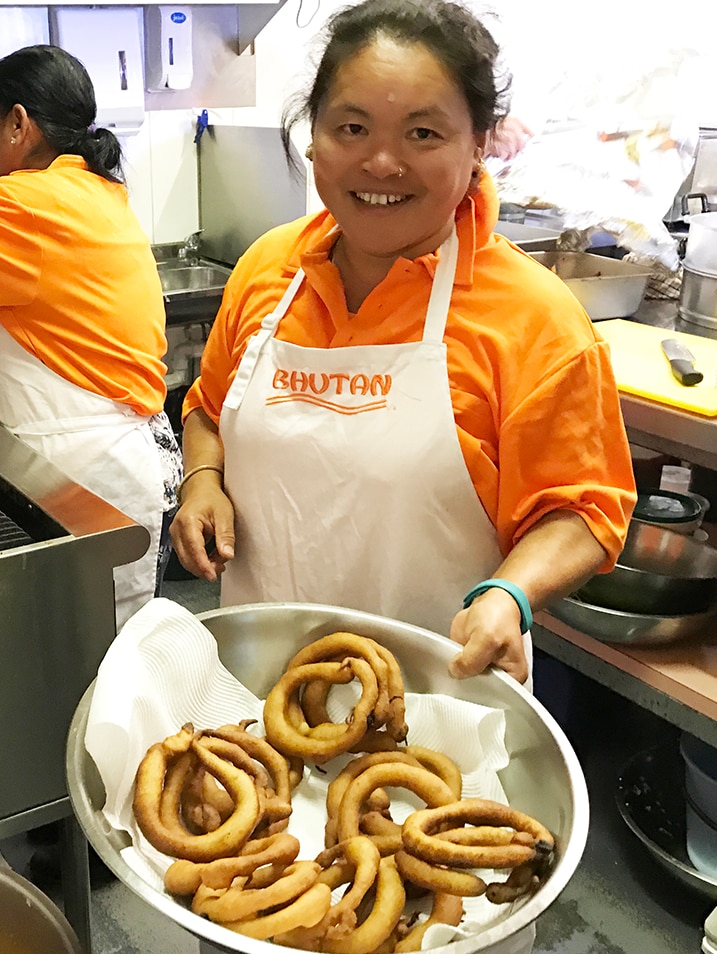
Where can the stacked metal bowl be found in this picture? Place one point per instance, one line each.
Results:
(662, 589)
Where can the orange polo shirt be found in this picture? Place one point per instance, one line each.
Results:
(531, 382)
(79, 287)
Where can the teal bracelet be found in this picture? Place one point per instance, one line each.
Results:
(526, 615)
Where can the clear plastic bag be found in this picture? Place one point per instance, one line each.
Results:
(617, 167)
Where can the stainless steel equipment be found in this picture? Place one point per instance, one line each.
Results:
(651, 800)
(530, 238)
(698, 298)
(699, 190)
(255, 642)
(632, 629)
(605, 287)
(59, 544)
(658, 571)
(245, 188)
(31, 923)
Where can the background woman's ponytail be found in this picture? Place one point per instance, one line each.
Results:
(57, 93)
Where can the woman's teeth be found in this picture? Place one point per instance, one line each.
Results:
(375, 198)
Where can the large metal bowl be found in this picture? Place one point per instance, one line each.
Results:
(659, 572)
(633, 629)
(255, 642)
(31, 923)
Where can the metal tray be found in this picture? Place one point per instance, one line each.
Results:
(531, 238)
(651, 801)
(635, 629)
(605, 287)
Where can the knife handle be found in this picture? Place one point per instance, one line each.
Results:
(685, 372)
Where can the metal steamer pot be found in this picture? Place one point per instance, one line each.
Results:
(254, 642)
(697, 303)
(698, 293)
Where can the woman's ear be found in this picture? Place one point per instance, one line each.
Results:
(479, 152)
(19, 122)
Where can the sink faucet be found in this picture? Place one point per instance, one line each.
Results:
(189, 249)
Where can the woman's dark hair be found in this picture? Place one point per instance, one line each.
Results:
(450, 31)
(57, 93)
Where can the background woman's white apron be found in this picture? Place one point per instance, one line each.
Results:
(101, 444)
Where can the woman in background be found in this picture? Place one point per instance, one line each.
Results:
(399, 411)
(82, 321)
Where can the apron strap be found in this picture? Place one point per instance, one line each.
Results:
(248, 362)
(439, 303)
(272, 320)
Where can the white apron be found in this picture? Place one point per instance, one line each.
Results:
(101, 444)
(347, 475)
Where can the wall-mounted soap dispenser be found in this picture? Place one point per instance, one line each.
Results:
(168, 47)
(22, 26)
(108, 41)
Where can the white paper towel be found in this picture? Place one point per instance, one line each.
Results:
(163, 670)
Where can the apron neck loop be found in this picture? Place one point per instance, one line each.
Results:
(442, 289)
(271, 321)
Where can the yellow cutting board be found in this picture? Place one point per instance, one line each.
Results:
(642, 369)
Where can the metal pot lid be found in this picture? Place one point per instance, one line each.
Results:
(666, 506)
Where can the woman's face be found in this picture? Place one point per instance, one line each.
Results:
(393, 108)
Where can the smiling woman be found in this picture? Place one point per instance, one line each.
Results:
(492, 460)
(394, 149)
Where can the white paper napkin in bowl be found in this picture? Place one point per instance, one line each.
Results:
(163, 670)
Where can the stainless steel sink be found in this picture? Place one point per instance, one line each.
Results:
(192, 289)
(192, 278)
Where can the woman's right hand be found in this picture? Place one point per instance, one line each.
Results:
(206, 513)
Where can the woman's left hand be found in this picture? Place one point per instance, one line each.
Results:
(489, 631)
(556, 556)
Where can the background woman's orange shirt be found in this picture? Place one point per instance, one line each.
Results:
(79, 287)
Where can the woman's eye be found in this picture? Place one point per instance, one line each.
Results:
(352, 129)
(423, 132)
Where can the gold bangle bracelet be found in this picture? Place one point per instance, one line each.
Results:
(195, 470)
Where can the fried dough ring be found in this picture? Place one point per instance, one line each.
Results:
(184, 877)
(261, 750)
(336, 647)
(305, 911)
(337, 788)
(358, 867)
(239, 903)
(419, 839)
(289, 740)
(390, 707)
(382, 919)
(437, 879)
(446, 909)
(273, 762)
(433, 790)
(158, 818)
(273, 807)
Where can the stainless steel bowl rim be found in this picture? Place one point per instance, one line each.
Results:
(98, 831)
